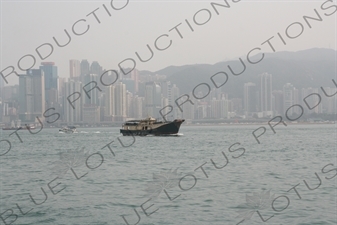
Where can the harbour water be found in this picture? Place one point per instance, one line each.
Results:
(211, 175)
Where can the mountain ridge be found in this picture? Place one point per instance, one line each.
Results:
(307, 68)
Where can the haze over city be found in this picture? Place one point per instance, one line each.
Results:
(129, 36)
(226, 33)
(168, 112)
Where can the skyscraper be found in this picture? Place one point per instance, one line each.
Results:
(188, 110)
(95, 68)
(266, 89)
(51, 83)
(175, 94)
(70, 114)
(288, 98)
(120, 102)
(129, 84)
(2, 84)
(219, 108)
(32, 95)
(3, 110)
(329, 104)
(85, 69)
(75, 69)
(135, 77)
(166, 90)
(129, 105)
(313, 100)
(250, 98)
(152, 99)
(137, 112)
(172, 93)
(89, 84)
(279, 102)
(109, 109)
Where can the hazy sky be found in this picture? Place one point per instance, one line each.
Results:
(25, 25)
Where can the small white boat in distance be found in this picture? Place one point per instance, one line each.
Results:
(68, 129)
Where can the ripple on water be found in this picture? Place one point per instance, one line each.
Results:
(118, 185)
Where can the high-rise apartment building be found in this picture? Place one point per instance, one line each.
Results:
(2, 84)
(72, 112)
(219, 108)
(310, 97)
(129, 84)
(91, 114)
(32, 95)
(188, 110)
(135, 78)
(175, 94)
(109, 106)
(278, 102)
(288, 98)
(51, 83)
(138, 107)
(120, 102)
(171, 93)
(129, 105)
(250, 99)
(89, 84)
(153, 99)
(201, 110)
(329, 104)
(95, 68)
(236, 106)
(85, 69)
(74, 69)
(266, 98)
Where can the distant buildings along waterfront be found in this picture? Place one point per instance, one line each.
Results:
(135, 96)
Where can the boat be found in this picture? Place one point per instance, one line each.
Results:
(17, 126)
(68, 129)
(150, 126)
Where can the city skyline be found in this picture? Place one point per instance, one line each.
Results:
(168, 112)
(84, 99)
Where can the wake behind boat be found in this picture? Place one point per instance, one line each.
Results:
(151, 126)
(68, 129)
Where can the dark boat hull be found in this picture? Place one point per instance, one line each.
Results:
(164, 130)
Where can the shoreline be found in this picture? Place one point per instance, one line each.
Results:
(265, 123)
(208, 124)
